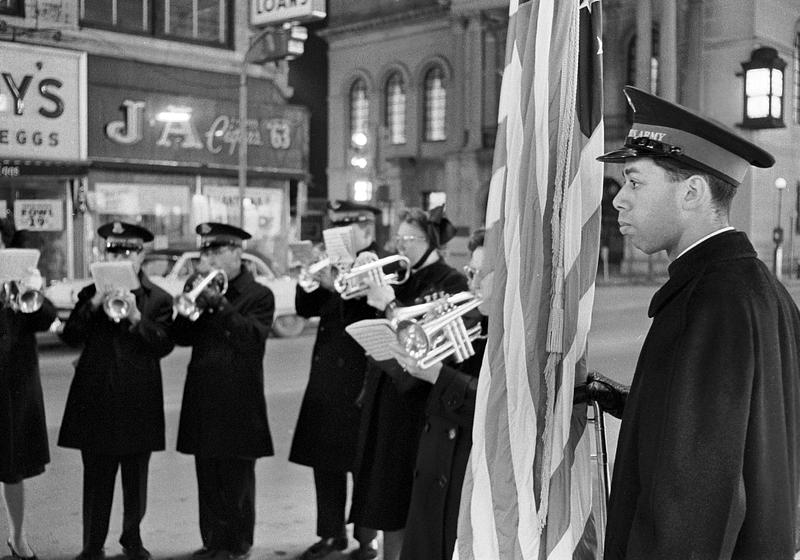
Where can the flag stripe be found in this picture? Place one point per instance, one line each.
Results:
(527, 493)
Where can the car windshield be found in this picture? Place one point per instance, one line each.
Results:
(158, 264)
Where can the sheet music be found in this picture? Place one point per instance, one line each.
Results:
(15, 264)
(113, 275)
(374, 336)
(339, 245)
(303, 252)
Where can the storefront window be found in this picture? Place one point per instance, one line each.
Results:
(12, 7)
(163, 209)
(38, 208)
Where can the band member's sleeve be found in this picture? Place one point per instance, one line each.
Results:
(453, 396)
(184, 332)
(154, 327)
(79, 323)
(41, 319)
(250, 326)
(308, 304)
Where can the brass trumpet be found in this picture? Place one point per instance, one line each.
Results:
(117, 304)
(307, 278)
(21, 298)
(186, 305)
(440, 332)
(353, 283)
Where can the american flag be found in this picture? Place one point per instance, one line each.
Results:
(528, 488)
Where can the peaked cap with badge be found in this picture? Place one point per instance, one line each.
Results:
(664, 129)
(122, 236)
(346, 212)
(214, 234)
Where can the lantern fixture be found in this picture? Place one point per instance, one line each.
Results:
(763, 90)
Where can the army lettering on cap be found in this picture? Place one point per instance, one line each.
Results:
(664, 129)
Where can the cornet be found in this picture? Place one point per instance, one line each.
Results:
(117, 304)
(307, 278)
(354, 282)
(440, 332)
(21, 298)
(186, 304)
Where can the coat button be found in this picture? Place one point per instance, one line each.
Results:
(442, 482)
(427, 426)
(451, 433)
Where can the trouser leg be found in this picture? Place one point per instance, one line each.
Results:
(99, 474)
(239, 500)
(209, 502)
(134, 497)
(331, 487)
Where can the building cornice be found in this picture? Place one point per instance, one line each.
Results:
(410, 16)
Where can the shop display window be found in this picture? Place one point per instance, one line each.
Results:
(38, 209)
(12, 7)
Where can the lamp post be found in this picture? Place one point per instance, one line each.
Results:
(777, 233)
(284, 43)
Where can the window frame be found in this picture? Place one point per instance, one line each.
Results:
(426, 112)
(155, 17)
(351, 109)
(395, 76)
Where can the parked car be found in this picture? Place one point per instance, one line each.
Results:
(170, 268)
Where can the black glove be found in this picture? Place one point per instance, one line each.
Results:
(609, 394)
(210, 300)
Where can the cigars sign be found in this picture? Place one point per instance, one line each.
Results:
(162, 129)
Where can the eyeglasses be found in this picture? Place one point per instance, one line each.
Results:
(406, 239)
(470, 272)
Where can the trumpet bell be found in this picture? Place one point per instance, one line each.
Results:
(117, 306)
(355, 282)
(30, 301)
(413, 339)
(186, 304)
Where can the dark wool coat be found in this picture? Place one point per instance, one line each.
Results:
(391, 420)
(327, 428)
(442, 458)
(224, 412)
(115, 404)
(23, 430)
(708, 459)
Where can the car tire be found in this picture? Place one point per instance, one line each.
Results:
(288, 326)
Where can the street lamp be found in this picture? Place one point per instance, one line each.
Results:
(763, 90)
(777, 233)
(284, 43)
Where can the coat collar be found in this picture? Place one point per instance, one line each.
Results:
(725, 246)
(240, 283)
(145, 282)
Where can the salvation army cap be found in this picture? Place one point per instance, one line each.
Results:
(214, 234)
(664, 129)
(346, 212)
(122, 236)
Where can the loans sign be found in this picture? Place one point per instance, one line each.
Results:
(274, 12)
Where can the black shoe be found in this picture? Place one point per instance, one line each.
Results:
(84, 555)
(367, 551)
(137, 553)
(205, 552)
(16, 556)
(324, 547)
(239, 555)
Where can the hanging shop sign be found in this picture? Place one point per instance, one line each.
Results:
(274, 12)
(143, 127)
(42, 103)
(39, 214)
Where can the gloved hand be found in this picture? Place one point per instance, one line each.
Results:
(609, 394)
(210, 300)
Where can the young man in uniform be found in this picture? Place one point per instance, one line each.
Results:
(708, 459)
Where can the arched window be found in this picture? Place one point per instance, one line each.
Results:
(359, 113)
(395, 118)
(435, 105)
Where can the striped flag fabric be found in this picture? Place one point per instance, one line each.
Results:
(528, 488)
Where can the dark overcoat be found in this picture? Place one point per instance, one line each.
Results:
(708, 459)
(327, 427)
(442, 458)
(224, 412)
(392, 418)
(23, 429)
(115, 404)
